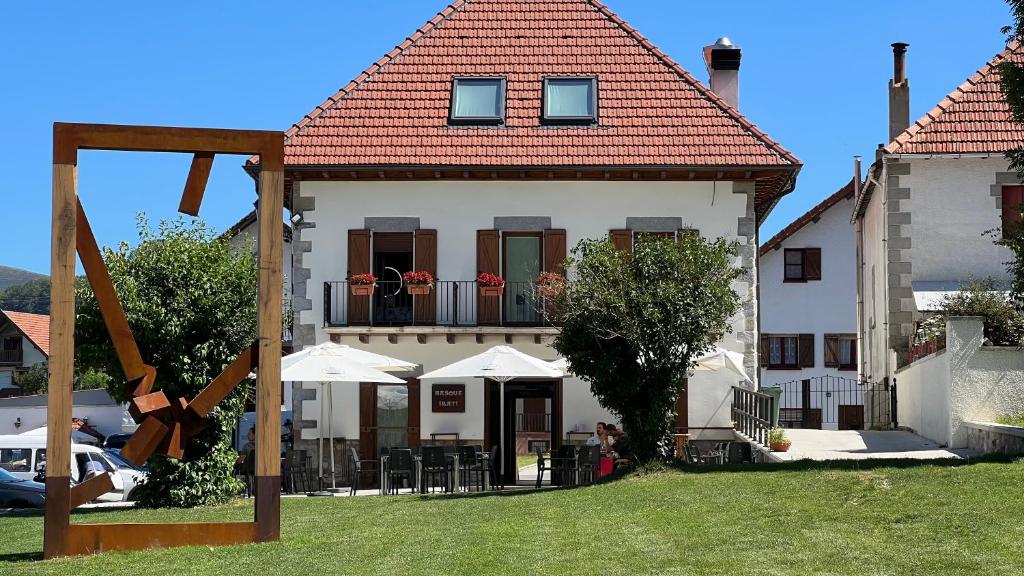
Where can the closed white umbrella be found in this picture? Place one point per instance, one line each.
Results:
(329, 362)
(500, 363)
(719, 359)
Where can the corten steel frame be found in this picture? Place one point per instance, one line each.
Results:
(165, 424)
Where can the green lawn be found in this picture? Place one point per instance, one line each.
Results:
(869, 519)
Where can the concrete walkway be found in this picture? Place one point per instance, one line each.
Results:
(858, 444)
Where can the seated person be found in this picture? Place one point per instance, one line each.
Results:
(600, 438)
(620, 443)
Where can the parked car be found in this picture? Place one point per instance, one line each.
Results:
(131, 474)
(24, 457)
(20, 493)
(116, 441)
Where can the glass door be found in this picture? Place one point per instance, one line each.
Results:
(392, 416)
(522, 266)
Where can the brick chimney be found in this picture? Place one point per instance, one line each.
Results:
(899, 92)
(723, 61)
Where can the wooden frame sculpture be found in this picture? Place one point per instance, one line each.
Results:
(165, 424)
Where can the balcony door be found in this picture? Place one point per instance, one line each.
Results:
(523, 252)
(392, 257)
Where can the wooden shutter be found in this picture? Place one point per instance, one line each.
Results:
(488, 309)
(1013, 198)
(425, 258)
(554, 250)
(812, 263)
(762, 351)
(683, 409)
(358, 263)
(368, 421)
(831, 351)
(622, 239)
(806, 353)
(414, 413)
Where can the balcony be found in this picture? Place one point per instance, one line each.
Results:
(9, 357)
(533, 422)
(453, 303)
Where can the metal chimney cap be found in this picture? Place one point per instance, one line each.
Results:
(897, 46)
(724, 42)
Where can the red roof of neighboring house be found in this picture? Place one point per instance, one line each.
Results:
(35, 327)
(812, 215)
(652, 113)
(972, 119)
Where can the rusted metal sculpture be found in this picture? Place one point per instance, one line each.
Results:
(165, 424)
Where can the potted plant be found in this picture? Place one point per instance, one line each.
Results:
(362, 284)
(550, 284)
(777, 440)
(490, 284)
(419, 282)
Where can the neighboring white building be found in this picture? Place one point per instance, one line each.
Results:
(927, 211)
(462, 157)
(94, 407)
(808, 317)
(24, 342)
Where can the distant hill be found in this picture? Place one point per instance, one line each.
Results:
(16, 276)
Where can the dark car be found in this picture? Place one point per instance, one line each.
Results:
(18, 493)
(116, 441)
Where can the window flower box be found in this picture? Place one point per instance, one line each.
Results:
(491, 285)
(362, 284)
(550, 284)
(418, 283)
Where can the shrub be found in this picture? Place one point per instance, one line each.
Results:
(1004, 322)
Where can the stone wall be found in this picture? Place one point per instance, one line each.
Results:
(990, 438)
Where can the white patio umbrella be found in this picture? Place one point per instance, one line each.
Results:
(500, 363)
(328, 363)
(720, 359)
(562, 365)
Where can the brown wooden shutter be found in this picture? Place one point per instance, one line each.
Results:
(1013, 198)
(414, 413)
(812, 263)
(425, 258)
(358, 263)
(806, 352)
(622, 239)
(831, 351)
(762, 351)
(488, 309)
(683, 409)
(367, 421)
(554, 250)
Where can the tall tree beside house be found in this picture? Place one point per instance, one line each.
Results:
(1012, 83)
(633, 324)
(191, 303)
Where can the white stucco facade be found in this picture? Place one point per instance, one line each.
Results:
(457, 210)
(820, 307)
(30, 354)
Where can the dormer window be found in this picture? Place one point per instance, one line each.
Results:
(477, 100)
(570, 100)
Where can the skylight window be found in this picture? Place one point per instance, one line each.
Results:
(478, 100)
(570, 100)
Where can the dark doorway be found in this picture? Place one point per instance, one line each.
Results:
(851, 417)
(536, 405)
(392, 257)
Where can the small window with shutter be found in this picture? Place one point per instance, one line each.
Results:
(780, 352)
(802, 264)
(1013, 210)
(841, 351)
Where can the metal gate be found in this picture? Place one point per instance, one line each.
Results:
(837, 403)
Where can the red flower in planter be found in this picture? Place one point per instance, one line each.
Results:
(418, 278)
(550, 284)
(362, 279)
(490, 280)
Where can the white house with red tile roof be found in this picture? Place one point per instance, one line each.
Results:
(493, 139)
(24, 342)
(928, 208)
(808, 340)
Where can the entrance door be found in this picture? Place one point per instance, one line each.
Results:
(851, 417)
(392, 416)
(522, 266)
(542, 395)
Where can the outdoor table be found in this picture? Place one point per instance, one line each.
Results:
(418, 470)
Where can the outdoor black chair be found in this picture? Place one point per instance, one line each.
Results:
(692, 454)
(471, 465)
(589, 458)
(400, 466)
(494, 467)
(247, 470)
(434, 465)
(358, 468)
(542, 466)
(565, 467)
(740, 453)
(295, 472)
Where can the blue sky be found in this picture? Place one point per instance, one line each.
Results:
(814, 78)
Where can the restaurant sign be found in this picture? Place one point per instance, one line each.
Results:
(449, 397)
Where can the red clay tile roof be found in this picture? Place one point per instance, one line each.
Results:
(812, 214)
(651, 111)
(972, 119)
(35, 327)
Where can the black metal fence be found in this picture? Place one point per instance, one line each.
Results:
(836, 402)
(752, 414)
(455, 303)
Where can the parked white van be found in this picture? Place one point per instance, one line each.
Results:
(23, 456)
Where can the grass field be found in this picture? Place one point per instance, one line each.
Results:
(841, 518)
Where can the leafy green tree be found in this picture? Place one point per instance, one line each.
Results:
(34, 380)
(1012, 83)
(191, 303)
(633, 324)
(33, 296)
